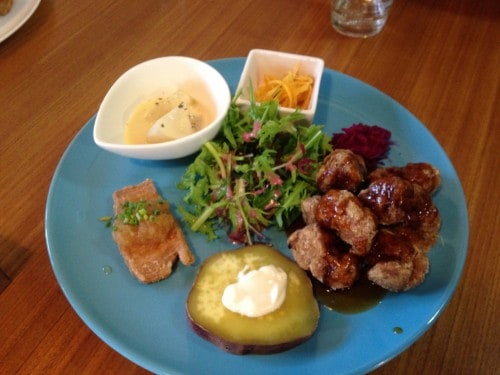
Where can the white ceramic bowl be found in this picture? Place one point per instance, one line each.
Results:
(261, 62)
(161, 76)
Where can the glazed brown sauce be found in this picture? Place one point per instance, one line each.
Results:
(362, 296)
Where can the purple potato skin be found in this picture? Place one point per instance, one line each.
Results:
(243, 349)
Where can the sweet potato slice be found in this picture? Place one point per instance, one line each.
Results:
(288, 326)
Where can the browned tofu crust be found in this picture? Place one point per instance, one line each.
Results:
(151, 247)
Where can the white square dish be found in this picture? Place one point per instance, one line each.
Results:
(261, 63)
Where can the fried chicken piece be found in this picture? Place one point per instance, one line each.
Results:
(343, 212)
(308, 208)
(151, 247)
(386, 230)
(402, 196)
(395, 200)
(323, 254)
(423, 174)
(341, 169)
(422, 236)
(394, 264)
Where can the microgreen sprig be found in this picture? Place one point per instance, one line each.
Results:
(133, 213)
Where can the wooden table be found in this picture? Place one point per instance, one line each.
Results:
(439, 59)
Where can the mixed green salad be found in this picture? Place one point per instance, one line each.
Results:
(254, 174)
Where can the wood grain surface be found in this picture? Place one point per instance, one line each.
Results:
(440, 59)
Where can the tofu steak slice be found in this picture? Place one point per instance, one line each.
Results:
(152, 245)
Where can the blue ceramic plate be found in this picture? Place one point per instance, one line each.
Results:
(147, 323)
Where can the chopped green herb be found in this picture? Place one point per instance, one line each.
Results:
(108, 220)
(133, 213)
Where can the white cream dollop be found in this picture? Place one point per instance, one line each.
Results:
(256, 292)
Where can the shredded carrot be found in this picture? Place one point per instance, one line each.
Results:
(292, 91)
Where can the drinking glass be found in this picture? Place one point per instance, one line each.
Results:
(359, 18)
